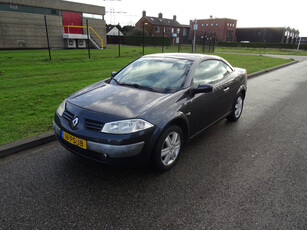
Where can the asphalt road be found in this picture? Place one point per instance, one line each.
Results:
(251, 174)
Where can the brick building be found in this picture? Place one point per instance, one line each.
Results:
(22, 24)
(157, 26)
(223, 29)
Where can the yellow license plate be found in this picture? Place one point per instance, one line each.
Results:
(74, 140)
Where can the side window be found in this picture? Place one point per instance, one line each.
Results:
(226, 70)
(209, 72)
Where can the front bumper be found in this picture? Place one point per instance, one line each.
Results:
(112, 151)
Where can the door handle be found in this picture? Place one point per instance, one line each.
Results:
(226, 89)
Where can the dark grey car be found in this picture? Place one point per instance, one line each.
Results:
(150, 108)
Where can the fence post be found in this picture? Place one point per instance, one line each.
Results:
(204, 45)
(213, 43)
(118, 41)
(47, 36)
(145, 24)
(210, 39)
(88, 40)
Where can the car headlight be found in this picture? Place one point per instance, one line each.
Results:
(61, 108)
(126, 126)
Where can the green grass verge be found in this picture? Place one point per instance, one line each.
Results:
(32, 87)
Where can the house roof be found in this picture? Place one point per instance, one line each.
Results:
(212, 19)
(114, 32)
(163, 21)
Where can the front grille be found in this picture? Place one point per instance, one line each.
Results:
(68, 115)
(88, 123)
(93, 125)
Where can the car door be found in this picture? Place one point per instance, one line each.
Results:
(226, 86)
(206, 108)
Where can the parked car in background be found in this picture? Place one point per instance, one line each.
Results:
(150, 109)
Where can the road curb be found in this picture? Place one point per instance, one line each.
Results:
(249, 76)
(26, 143)
(46, 137)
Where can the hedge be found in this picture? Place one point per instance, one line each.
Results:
(149, 41)
(261, 45)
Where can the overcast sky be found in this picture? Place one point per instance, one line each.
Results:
(257, 13)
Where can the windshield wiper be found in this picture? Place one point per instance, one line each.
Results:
(138, 86)
(117, 82)
(133, 85)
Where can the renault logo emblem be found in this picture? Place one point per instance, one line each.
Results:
(75, 122)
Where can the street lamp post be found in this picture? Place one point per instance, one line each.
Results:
(163, 35)
(195, 27)
(144, 36)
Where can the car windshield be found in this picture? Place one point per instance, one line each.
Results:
(162, 75)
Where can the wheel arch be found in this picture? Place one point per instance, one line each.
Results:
(179, 123)
(182, 122)
(242, 90)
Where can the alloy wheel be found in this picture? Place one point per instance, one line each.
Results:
(238, 107)
(170, 148)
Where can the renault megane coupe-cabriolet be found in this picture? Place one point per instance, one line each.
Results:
(148, 110)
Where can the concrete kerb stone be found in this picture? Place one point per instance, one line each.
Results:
(270, 69)
(49, 136)
(26, 143)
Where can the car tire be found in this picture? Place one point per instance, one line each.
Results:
(237, 108)
(167, 149)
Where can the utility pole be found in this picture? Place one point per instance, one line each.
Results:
(112, 13)
(163, 40)
(195, 27)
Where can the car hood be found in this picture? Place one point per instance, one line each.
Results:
(119, 101)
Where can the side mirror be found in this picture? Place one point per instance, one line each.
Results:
(113, 74)
(203, 88)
